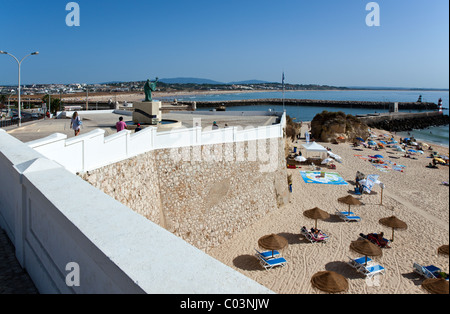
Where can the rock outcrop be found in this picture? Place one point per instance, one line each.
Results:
(333, 126)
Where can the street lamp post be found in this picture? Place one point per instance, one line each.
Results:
(19, 63)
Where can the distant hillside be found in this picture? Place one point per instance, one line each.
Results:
(193, 80)
(250, 82)
(189, 80)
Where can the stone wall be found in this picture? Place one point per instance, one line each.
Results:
(203, 194)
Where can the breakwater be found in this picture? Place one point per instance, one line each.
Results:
(316, 103)
(398, 122)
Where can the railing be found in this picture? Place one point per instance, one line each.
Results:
(8, 122)
(93, 150)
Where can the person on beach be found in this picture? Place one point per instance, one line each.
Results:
(138, 128)
(215, 126)
(120, 125)
(75, 123)
(382, 241)
(317, 234)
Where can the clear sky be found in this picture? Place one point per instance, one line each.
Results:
(323, 42)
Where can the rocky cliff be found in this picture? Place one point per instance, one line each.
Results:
(332, 126)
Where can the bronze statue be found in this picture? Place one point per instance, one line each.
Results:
(149, 87)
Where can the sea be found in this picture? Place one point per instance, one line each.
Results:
(437, 135)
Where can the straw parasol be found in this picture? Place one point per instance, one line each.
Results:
(316, 213)
(350, 200)
(366, 248)
(394, 223)
(443, 249)
(436, 285)
(273, 242)
(329, 281)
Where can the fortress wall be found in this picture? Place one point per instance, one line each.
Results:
(203, 194)
(74, 239)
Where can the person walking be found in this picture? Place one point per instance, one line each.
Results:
(75, 123)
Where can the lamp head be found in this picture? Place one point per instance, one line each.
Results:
(2, 52)
(35, 53)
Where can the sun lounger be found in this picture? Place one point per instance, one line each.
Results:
(348, 217)
(268, 254)
(345, 213)
(430, 271)
(359, 262)
(371, 270)
(270, 263)
(311, 238)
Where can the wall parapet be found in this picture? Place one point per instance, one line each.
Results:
(93, 150)
(55, 218)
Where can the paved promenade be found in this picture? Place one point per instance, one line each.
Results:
(13, 279)
(34, 130)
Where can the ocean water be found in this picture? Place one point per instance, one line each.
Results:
(438, 135)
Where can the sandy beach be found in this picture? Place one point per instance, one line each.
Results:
(416, 196)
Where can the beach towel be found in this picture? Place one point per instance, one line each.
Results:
(328, 178)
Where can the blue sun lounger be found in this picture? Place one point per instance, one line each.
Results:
(271, 263)
(430, 271)
(348, 217)
(371, 270)
(268, 254)
(359, 262)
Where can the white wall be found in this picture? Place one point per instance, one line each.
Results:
(93, 150)
(54, 218)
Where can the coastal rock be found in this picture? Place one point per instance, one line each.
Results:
(328, 126)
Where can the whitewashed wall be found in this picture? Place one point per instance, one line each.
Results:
(54, 218)
(93, 150)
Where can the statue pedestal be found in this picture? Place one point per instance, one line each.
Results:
(146, 112)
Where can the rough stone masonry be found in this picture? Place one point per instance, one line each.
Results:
(203, 194)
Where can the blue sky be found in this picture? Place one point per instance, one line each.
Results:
(323, 42)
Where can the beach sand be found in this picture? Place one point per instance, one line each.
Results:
(416, 196)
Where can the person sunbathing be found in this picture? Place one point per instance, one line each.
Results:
(379, 239)
(318, 234)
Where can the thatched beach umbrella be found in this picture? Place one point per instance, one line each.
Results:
(316, 213)
(443, 249)
(394, 223)
(273, 242)
(436, 286)
(329, 281)
(366, 248)
(350, 200)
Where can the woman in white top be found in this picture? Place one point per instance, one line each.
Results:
(75, 123)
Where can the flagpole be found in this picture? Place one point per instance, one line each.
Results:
(283, 91)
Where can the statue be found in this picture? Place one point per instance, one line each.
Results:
(149, 87)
